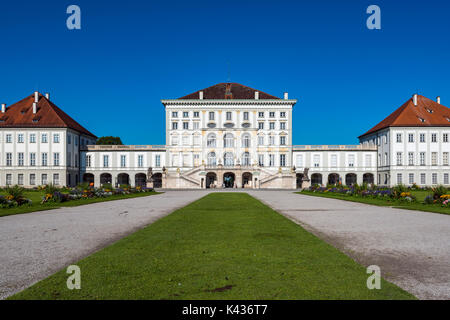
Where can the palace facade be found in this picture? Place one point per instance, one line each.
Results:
(225, 136)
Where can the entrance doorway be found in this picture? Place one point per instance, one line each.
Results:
(228, 179)
(299, 180)
(211, 179)
(246, 179)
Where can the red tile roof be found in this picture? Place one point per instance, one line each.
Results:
(427, 113)
(48, 115)
(229, 91)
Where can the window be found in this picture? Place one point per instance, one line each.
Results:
(434, 178)
(299, 160)
(228, 140)
(32, 159)
(445, 158)
(422, 137)
(271, 140)
(282, 125)
(351, 160)
(282, 141)
(434, 158)
(8, 179)
(69, 139)
(196, 159)
(260, 140)
(44, 138)
(228, 115)
(185, 114)
(123, 160)
(399, 137)
(261, 160)
(423, 179)
(196, 114)
(211, 116)
(399, 178)
(185, 140)
(282, 160)
(271, 160)
(446, 178)
(174, 125)
(174, 114)
(261, 125)
(211, 159)
(56, 179)
(316, 160)
(260, 114)
(185, 125)
(69, 159)
(175, 140)
(44, 159)
(196, 140)
(246, 159)
(410, 158)
(433, 137)
(105, 161)
(140, 161)
(20, 179)
(422, 158)
(32, 179)
(158, 160)
(56, 158)
(399, 159)
(44, 179)
(88, 161)
(385, 159)
(8, 138)
(368, 160)
(410, 137)
(228, 160)
(282, 114)
(56, 138)
(185, 160)
(32, 138)
(196, 125)
(271, 125)
(385, 139)
(271, 114)
(333, 160)
(445, 137)
(411, 178)
(20, 159)
(246, 141)
(245, 115)
(20, 138)
(211, 141)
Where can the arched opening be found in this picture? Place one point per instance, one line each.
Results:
(228, 179)
(299, 180)
(368, 178)
(246, 141)
(211, 140)
(123, 179)
(350, 179)
(140, 180)
(247, 180)
(228, 140)
(228, 160)
(316, 178)
(212, 159)
(157, 180)
(105, 178)
(246, 159)
(88, 178)
(333, 178)
(211, 180)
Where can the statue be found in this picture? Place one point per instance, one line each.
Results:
(149, 174)
(305, 174)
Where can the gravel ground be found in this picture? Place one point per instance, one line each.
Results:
(412, 248)
(36, 245)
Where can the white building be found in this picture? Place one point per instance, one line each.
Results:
(227, 135)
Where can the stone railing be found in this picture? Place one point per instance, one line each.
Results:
(123, 147)
(325, 147)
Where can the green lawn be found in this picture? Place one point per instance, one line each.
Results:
(36, 197)
(223, 246)
(437, 208)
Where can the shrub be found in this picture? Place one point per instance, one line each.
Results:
(50, 188)
(438, 191)
(428, 199)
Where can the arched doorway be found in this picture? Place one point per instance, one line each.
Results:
(333, 178)
(123, 179)
(228, 179)
(157, 180)
(368, 178)
(299, 180)
(247, 179)
(350, 179)
(211, 179)
(105, 178)
(140, 180)
(316, 178)
(88, 178)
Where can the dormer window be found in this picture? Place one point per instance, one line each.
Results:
(422, 120)
(429, 110)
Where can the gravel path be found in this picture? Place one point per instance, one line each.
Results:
(412, 248)
(36, 245)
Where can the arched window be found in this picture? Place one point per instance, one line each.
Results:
(211, 159)
(228, 140)
(211, 140)
(246, 159)
(246, 141)
(228, 160)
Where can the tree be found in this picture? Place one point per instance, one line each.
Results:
(109, 141)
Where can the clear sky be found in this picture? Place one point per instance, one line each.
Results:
(111, 74)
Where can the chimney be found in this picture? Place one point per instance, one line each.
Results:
(200, 95)
(438, 100)
(286, 96)
(34, 107)
(256, 95)
(36, 96)
(3, 107)
(415, 99)
(47, 96)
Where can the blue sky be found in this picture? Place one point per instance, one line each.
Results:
(111, 74)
